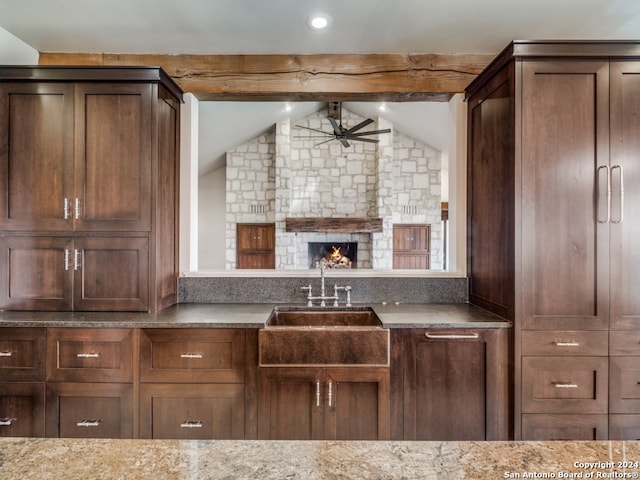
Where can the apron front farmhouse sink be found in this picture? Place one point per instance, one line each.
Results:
(304, 337)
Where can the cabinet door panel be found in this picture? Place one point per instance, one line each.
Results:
(564, 142)
(291, 404)
(113, 141)
(89, 410)
(625, 214)
(624, 427)
(36, 273)
(36, 155)
(113, 274)
(624, 385)
(192, 411)
(22, 409)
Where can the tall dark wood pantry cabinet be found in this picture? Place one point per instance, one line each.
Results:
(553, 218)
(88, 181)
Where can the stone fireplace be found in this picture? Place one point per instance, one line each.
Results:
(279, 177)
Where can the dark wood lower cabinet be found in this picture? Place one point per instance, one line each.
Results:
(192, 411)
(624, 427)
(564, 427)
(22, 409)
(456, 384)
(303, 403)
(89, 410)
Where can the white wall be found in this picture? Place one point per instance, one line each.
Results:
(211, 232)
(14, 51)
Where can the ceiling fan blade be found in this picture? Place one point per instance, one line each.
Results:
(344, 142)
(362, 139)
(337, 129)
(325, 141)
(314, 130)
(360, 125)
(370, 132)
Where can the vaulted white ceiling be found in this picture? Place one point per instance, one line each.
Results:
(280, 26)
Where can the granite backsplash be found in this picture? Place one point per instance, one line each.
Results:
(203, 289)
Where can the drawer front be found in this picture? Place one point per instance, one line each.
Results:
(22, 409)
(192, 411)
(624, 385)
(625, 343)
(624, 427)
(192, 355)
(591, 343)
(564, 427)
(567, 385)
(22, 354)
(89, 410)
(89, 355)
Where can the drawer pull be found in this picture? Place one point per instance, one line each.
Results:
(450, 336)
(89, 423)
(567, 344)
(88, 355)
(7, 422)
(6, 354)
(565, 385)
(191, 424)
(317, 394)
(191, 355)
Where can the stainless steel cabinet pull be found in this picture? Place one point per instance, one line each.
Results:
(450, 336)
(191, 355)
(565, 385)
(567, 344)
(621, 194)
(88, 355)
(66, 260)
(606, 168)
(66, 209)
(6, 354)
(76, 208)
(191, 424)
(317, 394)
(330, 395)
(76, 259)
(7, 422)
(89, 423)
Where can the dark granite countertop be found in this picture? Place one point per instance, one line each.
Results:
(247, 315)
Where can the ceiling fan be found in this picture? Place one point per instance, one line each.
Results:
(341, 133)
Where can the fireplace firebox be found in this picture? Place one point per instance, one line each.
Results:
(334, 254)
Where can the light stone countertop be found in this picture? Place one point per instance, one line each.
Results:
(253, 315)
(72, 459)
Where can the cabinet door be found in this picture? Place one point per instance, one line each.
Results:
(22, 409)
(411, 246)
(22, 354)
(357, 404)
(111, 274)
(256, 245)
(564, 427)
(36, 155)
(565, 154)
(89, 410)
(192, 411)
(625, 181)
(291, 404)
(36, 273)
(113, 135)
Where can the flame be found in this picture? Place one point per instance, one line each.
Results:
(336, 253)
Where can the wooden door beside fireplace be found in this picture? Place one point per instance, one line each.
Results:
(411, 246)
(256, 245)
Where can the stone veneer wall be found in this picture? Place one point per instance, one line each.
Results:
(282, 174)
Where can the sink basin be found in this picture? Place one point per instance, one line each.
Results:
(329, 317)
(295, 336)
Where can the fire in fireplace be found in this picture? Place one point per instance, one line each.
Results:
(334, 254)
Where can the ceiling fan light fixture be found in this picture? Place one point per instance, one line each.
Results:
(319, 21)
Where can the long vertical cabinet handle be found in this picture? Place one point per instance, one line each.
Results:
(65, 209)
(66, 259)
(76, 259)
(317, 393)
(606, 168)
(620, 194)
(330, 395)
(76, 208)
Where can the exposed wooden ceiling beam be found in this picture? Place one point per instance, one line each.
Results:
(325, 77)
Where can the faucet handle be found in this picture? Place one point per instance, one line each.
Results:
(348, 290)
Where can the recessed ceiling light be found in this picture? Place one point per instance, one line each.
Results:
(319, 21)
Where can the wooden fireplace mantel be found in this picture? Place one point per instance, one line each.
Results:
(333, 224)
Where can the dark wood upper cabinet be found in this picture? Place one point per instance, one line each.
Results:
(256, 245)
(411, 246)
(89, 152)
(553, 136)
